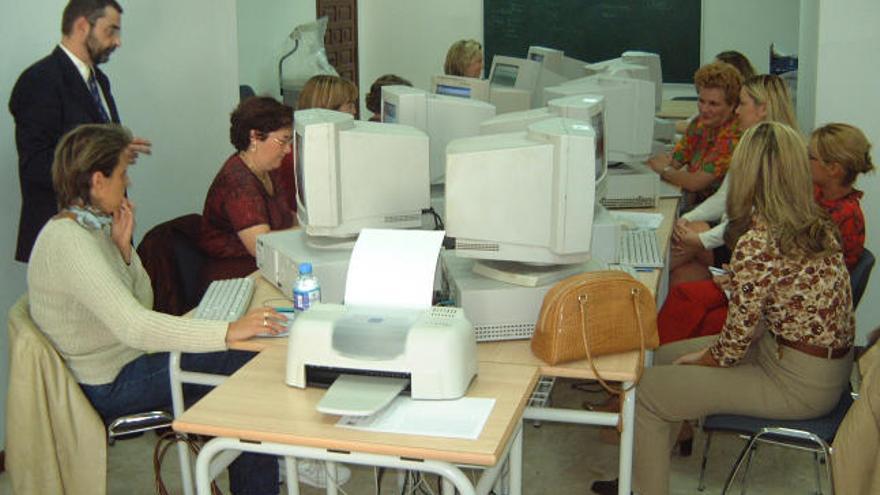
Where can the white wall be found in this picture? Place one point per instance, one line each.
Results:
(411, 38)
(175, 80)
(847, 75)
(263, 29)
(749, 26)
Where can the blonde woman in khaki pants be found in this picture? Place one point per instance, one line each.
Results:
(785, 350)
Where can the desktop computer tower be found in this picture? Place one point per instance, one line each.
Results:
(280, 253)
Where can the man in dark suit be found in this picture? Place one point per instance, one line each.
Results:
(54, 95)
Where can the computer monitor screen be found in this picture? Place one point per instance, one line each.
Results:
(353, 174)
(504, 75)
(462, 87)
(525, 197)
(443, 118)
(629, 113)
(389, 112)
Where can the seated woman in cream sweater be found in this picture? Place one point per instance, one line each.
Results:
(91, 297)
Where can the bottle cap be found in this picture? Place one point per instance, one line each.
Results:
(305, 268)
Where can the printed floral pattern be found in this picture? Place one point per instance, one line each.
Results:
(798, 298)
(708, 149)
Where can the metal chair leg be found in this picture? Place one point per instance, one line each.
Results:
(818, 473)
(745, 482)
(701, 486)
(739, 462)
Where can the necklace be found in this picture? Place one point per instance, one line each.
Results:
(263, 177)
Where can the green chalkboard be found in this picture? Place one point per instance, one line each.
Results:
(593, 31)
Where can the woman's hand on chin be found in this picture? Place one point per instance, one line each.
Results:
(122, 228)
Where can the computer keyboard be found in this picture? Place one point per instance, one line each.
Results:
(226, 300)
(628, 269)
(639, 248)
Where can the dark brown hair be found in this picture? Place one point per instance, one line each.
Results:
(374, 97)
(739, 61)
(92, 10)
(262, 114)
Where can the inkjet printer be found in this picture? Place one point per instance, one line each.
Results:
(432, 352)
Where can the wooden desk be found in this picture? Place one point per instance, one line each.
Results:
(254, 410)
(677, 109)
(620, 367)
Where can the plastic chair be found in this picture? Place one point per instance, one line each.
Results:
(860, 275)
(55, 439)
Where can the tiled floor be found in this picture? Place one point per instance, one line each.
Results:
(558, 459)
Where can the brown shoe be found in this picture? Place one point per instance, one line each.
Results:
(609, 435)
(612, 405)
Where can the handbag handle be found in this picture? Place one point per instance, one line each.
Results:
(582, 303)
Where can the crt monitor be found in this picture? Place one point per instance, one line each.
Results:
(443, 118)
(525, 197)
(555, 60)
(516, 83)
(585, 108)
(636, 65)
(629, 113)
(460, 86)
(353, 175)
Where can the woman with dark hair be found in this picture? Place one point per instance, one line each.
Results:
(90, 295)
(249, 195)
(374, 97)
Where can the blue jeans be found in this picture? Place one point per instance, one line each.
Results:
(145, 384)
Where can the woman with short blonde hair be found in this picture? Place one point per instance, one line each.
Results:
(464, 58)
(330, 92)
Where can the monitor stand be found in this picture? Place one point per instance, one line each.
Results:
(331, 243)
(525, 274)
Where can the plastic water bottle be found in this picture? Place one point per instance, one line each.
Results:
(306, 290)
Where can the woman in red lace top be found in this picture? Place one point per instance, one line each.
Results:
(249, 195)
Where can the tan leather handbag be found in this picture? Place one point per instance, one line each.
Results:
(593, 314)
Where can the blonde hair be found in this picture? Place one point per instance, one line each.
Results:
(771, 91)
(846, 145)
(720, 75)
(771, 179)
(86, 149)
(326, 91)
(460, 55)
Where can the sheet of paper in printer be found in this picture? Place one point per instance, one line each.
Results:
(389, 270)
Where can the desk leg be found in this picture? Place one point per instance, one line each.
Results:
(291, 476)
(515, 462)
(449, 472)
(627, 419)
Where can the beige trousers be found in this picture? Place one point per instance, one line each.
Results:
(856, 449)
(795, 386)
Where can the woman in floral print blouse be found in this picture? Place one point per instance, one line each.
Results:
(701, 158)
(786, 348)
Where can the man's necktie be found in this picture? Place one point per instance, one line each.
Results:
(96, 95)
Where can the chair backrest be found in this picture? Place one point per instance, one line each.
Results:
(860, 275)
(55, 440)
(174, 262)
